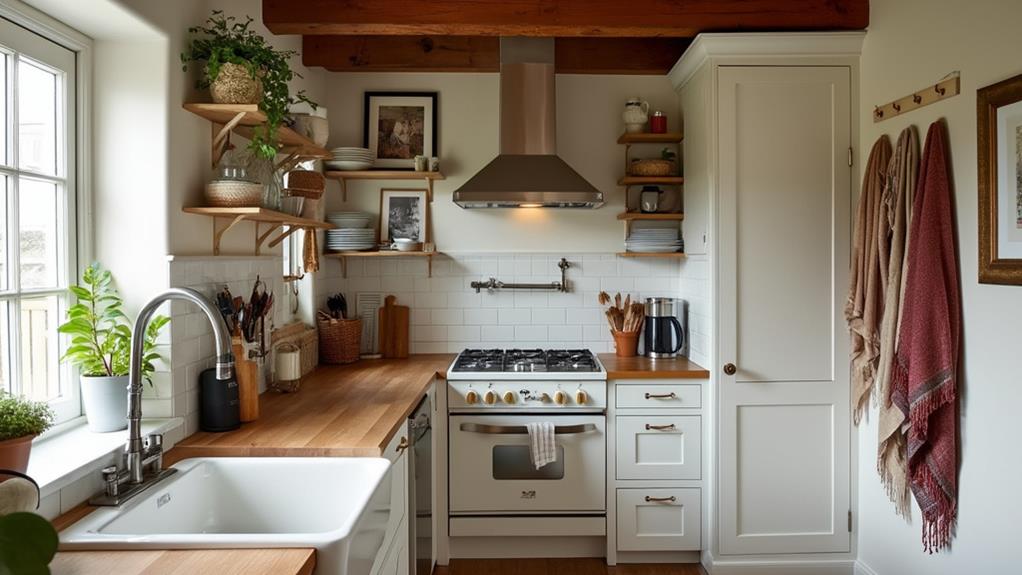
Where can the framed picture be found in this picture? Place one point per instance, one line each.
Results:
(397, 126)
(999, 127)
(404, 214)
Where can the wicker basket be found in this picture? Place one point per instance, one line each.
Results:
(652, 168)
(306, 180)
(234, 85)
(234, 194)
(339, 340)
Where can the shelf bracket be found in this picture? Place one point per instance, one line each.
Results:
(222, 137)
(429, 192)
(344, 268)
(260, 238)
(283, 236)
(344, 190)
(218, 232)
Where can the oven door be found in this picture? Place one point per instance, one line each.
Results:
(491, 470)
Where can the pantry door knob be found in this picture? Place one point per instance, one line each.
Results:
(730, 369)
(509, 397)
(581, 397)
(560, 398)
(490, 398)
(471, 397)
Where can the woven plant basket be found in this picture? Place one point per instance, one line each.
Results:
(652, 168)
(234, 85)
(234, 194)
(339, 340)
(306, 180)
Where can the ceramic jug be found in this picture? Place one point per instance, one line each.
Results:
(635, 115)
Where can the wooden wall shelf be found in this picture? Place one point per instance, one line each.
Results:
(668, 255)
(405, 175)
(226, 218)
(651, 181)
(343, 256)
(647, 138)
(633, 216)
(243, 119)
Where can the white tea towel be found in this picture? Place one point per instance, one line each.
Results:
(543, 448)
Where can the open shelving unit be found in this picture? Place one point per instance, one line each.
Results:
(628, 182)
(243, 119)
(404, 175)
(343, 257)
(266, 223)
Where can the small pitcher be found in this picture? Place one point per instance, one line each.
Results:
(636, 115)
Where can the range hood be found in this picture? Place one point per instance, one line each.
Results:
(527, 172)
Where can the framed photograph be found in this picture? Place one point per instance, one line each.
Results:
(404, 214)
(999, 127)
(397, 126)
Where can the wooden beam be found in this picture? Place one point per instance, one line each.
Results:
(402, 53)
(636, 18)
(617, 55)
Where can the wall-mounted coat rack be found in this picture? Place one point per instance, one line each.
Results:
(942, 90)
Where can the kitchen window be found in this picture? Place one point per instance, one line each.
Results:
(38, 231)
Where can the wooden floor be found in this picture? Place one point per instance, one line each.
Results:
(559, 567)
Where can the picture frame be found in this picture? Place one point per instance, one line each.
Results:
(999, 166)
(404, 213)
(397, 126)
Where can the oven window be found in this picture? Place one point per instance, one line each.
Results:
(514, 462)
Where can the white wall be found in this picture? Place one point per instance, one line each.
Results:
(912, 44)
(588, 125)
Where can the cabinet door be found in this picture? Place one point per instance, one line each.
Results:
(658, 447)
(784, 229)
(658, 519)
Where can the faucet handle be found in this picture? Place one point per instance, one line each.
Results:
(154, 441)
(109, 473)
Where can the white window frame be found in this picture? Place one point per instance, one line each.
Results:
(77, 170)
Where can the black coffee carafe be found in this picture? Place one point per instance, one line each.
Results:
(663, 333)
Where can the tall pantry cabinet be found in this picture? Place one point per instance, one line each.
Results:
(769, 125)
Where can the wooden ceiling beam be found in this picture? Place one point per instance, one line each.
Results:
(482, 54)
(561, 18)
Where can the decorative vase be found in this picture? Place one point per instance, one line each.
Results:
(234, 85)
(636, 115)
(106, 402)
(264, 171)
(14, 453)
(625, 343)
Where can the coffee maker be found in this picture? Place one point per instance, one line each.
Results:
(663, 334)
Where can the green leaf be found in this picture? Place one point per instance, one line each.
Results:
(27, 543)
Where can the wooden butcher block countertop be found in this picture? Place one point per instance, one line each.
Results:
(340, 411)
(641, 367)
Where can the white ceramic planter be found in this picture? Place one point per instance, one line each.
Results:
(106, 402)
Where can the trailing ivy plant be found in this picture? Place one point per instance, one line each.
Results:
(100, 331)
(225, 39)
(20, 417)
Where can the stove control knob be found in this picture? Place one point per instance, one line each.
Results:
(509, 397)
(545, 398)
(581, 397)
(471, 397)
(560, 398)
(490, 398)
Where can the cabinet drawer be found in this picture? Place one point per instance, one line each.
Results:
(659, 395)
(659, 446)
(658, 519)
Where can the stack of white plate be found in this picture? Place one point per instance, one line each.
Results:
(352, 239)
(653, 240)
(349, 159)
(347, 220)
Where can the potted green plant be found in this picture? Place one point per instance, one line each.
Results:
(101, 348)
(21, 420)
(241, 67)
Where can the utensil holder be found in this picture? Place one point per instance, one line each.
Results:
(340, 340)
(625, 343)
(246, 372)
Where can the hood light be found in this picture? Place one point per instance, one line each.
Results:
(530, 205)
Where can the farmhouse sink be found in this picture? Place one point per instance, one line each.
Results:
(339, 506)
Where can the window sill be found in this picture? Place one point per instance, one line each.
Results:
(65, 457)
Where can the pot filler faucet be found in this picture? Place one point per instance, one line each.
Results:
(143, 461)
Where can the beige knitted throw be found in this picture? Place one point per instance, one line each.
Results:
(865, 305)
(896, 211)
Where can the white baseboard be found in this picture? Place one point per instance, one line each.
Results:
(833, 567)
(863, 569)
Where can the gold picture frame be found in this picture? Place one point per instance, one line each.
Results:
(999, 137)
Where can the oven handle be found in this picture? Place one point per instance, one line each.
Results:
(521, 429)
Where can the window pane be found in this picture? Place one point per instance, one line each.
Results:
(5, 346)
(5, 194)
(39, 236)
(40, 371)
(3, 108)
(37, 118)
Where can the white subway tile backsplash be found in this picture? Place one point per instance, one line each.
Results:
(514, 316)
(491, 333)
(565, 333)
(537, 333)
(548, 316)
(480, 316)
(453, 316)
(464, 333)
(430, 300)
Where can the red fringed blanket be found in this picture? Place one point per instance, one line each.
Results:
(924, 371)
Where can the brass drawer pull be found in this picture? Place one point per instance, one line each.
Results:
(670, 499)
(660, 427)
(671, 395)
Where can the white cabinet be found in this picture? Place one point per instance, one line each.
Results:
(659, 447)
(658, 395)
(392, 509)
(658, 519)
(769, 121)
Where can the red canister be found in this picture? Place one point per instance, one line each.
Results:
(658, 123)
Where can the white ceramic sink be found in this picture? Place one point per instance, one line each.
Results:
(328, 503)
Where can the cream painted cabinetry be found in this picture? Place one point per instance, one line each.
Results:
(769, 122)
(655, 470)
(391, 511)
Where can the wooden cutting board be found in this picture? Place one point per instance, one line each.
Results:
(393, 329)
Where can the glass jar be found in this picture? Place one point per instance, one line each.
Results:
(264, 171)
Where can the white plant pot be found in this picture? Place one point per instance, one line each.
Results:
(106, 402)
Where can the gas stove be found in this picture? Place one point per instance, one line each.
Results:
(527, 380)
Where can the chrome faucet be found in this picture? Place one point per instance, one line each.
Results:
(143, 461)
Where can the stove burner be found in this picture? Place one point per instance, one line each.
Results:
(526, 360)
(480, 360)
(570, 360)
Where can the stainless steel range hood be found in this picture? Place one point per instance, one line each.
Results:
(528, 172)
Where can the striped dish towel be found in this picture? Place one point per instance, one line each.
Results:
(543, 448)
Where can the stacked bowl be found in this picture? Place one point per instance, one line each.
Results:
(350, 159)
(351, 233)
(654, 240)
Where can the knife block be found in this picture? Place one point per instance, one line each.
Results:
(246, 372)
